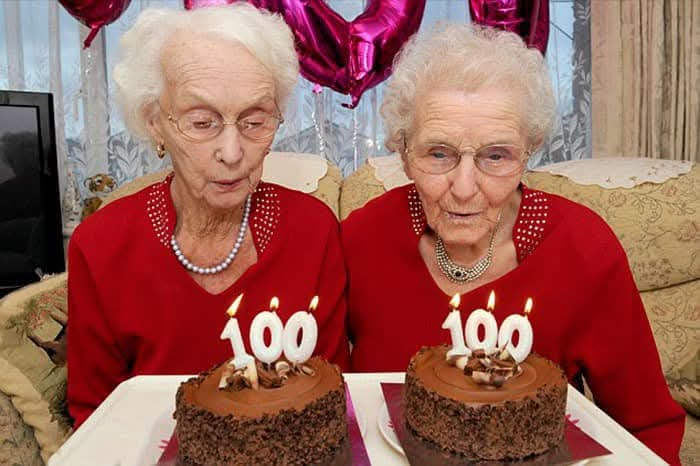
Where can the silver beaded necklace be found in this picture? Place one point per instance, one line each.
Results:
(223, 265)
(459, 274)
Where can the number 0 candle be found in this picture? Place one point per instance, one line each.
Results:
(306, 323)
(480, 317)
(522, 325)
(267, 319)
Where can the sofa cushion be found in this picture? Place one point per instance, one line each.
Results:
(358, 188)
(691, 440)
(687, 394)
(674, 314)
(18, 446)
(32, 359)
(657, 224)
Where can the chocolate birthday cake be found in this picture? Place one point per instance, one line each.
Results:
(276, 414)
(485, 407)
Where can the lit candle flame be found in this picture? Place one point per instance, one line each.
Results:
(454, 302)
(492, 301)
(314, 304)
(528, 307)
(274, 304)
(233, 308)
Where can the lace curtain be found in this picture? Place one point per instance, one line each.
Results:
(40, 50)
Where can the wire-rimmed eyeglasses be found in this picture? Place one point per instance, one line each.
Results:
(201, 125)
(493, 159)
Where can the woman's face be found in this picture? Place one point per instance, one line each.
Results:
(462, 205)
(206, 76)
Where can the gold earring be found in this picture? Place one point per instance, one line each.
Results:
(160, 150)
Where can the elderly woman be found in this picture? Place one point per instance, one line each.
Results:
(152, 275)
(466, 107)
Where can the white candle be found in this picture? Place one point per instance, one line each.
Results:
(306, 323)
(267, 319)
(233, 333)
(480, 317)
(524, 328)
(453, 323)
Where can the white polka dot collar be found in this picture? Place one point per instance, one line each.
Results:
(264, 216)
(529, 226)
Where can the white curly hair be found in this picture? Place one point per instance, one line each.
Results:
(466, 57)
(138, 74)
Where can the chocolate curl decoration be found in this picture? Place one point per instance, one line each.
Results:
(527, 18)
(348, 57)
(95, 13)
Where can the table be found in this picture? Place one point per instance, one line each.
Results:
(126, 428)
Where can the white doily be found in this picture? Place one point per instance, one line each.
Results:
(618, 172)
(295, 171)
(389, 171)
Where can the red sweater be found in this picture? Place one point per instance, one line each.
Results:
(133, 308)
(587, 316)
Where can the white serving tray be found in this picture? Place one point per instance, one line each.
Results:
(129, 427)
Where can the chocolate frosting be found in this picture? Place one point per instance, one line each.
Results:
(432, 368)
(296, 392)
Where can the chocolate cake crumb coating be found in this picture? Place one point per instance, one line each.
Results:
(302, 422)
(526, 416)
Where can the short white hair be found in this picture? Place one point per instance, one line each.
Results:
(467, 57)
(139, 76)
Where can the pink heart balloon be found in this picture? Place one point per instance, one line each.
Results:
(95, 13)
(349, 57)
(527, 18)
(376, 36)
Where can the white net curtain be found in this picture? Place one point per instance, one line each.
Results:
(41, 50)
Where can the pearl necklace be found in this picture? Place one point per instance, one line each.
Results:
(457, 273)
(227, 261)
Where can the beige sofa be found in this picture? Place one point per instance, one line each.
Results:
(658, 224)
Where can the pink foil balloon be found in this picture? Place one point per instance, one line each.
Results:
(349, 57)
(376, 36)
(527, 18)
(95, 13)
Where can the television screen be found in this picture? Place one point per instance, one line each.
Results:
(19, 163)
(29, 201)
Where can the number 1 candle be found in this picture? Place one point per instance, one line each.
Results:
(453, 323)
(233, 332)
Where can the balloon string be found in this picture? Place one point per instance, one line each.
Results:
(354, 139)
(91, 36)
(316, 115)
(375, 117)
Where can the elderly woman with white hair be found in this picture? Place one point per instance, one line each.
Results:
(465, 107)
(152, 275)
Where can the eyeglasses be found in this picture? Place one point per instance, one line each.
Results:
(201, 125)
(494, 160)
